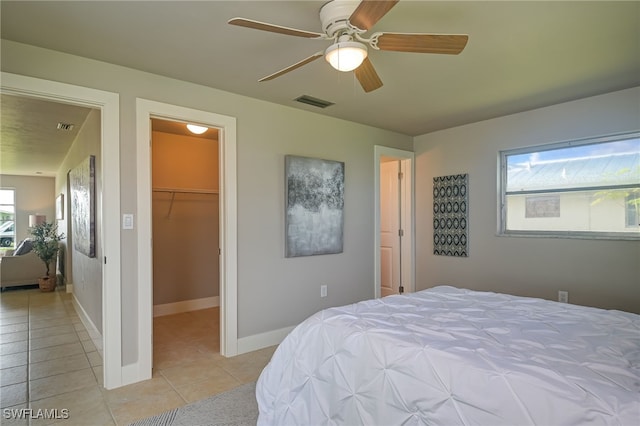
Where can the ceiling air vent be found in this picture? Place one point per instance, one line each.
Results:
(310, 100)
(67, 127)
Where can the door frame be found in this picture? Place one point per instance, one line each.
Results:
(145, 111)
(109, 105)
(384, 151)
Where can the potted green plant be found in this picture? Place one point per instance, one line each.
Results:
(46, 244)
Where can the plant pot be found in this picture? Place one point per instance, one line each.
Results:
(47, 283)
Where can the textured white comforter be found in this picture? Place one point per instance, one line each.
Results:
(447, 356)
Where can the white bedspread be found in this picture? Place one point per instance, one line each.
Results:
(447, 356)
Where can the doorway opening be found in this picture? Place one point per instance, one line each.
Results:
(107, 104)
(185, 241)
(146, 112)
(394, 221)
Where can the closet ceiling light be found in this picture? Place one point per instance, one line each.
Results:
(198, 130)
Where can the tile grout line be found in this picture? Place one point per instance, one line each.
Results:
(68, 316)
(101, 387)
(175, 389)
(38, 305)
(28, 378)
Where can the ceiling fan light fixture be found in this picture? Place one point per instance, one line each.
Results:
(198, 130)
(346, 55)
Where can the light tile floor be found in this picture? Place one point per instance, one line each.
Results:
(48, 360)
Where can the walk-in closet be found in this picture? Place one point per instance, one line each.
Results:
(185, 214)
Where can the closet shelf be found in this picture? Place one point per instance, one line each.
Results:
(174, 191)
(187, 190)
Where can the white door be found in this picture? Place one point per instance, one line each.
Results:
(389, 228)
(404, 206)
(406, 200)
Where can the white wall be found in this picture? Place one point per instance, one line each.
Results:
(602, 273)
(34, 195)
(83, 272)
(267, 282)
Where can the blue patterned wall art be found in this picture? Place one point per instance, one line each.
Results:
(450, 215)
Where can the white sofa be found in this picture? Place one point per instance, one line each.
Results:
(21, 270)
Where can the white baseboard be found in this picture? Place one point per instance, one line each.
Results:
(262, 340)
(94, 333)
(185, 306)
(84, 317)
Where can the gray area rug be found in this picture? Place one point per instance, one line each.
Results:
(237, 407)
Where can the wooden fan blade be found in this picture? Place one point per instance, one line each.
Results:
(263, 26)
(369, 12)
(451, 44)
(367, 76)
(293, 67)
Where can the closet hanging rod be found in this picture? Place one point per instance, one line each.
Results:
(187, 190)
(174, 191)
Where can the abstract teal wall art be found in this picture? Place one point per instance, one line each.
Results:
(314, 203)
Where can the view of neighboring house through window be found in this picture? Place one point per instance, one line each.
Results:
(587, 188)
(7, 218)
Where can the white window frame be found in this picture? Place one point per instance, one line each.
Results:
(502, 193)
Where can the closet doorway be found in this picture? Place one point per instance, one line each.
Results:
(185, 241)
(146, 110)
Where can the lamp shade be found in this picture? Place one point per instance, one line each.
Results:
(346, 55)
(36, 219)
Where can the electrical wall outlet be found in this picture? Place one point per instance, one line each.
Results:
(323, 291)
(563, 296)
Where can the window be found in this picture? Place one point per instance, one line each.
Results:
(587, 188)
(7, 218)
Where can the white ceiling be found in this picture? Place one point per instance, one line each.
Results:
(520, 56)
(31, 143)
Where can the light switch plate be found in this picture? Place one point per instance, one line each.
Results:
(127, 221)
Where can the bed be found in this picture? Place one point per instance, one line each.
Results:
(450, 356)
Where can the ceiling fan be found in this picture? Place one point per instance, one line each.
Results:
(344, 23)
